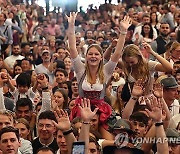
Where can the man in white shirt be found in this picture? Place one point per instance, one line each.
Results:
(10, 61)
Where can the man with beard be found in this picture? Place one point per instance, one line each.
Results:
(43, 68)
(10, 61)
(46, 130)
(158, 45)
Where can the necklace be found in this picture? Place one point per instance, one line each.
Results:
(46, 144)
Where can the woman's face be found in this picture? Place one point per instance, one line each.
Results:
(65, 87)
(72, 104)
(93, 57)
(176, 53)
(17, 70)
(59, 99)
(67, 62)
(146, 29)
(131, 61)
(23, 131)
(153, 16)
(33, 77)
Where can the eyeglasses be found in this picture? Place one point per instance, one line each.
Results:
(47, 126)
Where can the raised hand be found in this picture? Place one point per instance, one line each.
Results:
(156, 109)
(125, 23)
(71, 19)
(42, 80)
(86, 113)
(147, 47)
(62, 117)
(138, 89)
(158, 90)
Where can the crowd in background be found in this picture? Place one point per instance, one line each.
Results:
(91, 76)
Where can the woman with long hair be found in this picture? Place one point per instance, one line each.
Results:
(93, 76)
(137, 67)
(60, 99)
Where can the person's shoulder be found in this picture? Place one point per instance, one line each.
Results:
(35, 141)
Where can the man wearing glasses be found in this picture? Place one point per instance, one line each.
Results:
(46, 130)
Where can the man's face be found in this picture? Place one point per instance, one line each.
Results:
(5, 121)
(92, 148)
(24, 112)
(146, 20)
(60, 77)
(46, 129)
(46, 57)
(9, 143)
(61, 141)
(16, 50)
(171, 94)
(61, 53)
(139, 128)
(26, 49)
(164, 29)
(94, 124)
(174, 148)
(25, 65)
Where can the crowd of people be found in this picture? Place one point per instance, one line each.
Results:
(101, 81)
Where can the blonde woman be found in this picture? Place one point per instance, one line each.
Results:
(93, 76)
(137, 67)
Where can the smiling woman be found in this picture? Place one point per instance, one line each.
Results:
(93, 76)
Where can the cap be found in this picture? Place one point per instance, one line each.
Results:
(45, 51)
(169, 82)
(123, 125)
(172, 133)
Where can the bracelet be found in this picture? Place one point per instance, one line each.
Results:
(68, 131)
(123, 32)
(86, 123)
(45, 88)
(157, 124)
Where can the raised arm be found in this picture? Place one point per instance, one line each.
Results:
(156, 115)
(86, 115)
(124, 25)
(65, 126)
(71, 34)
(136, 93)
(164, 65)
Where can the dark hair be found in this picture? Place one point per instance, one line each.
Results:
(60, 48)
(60, 64)
(62, 71)
(38, 104)
(10, 129)
(22, 102)
(47, 115)
(23, 44)
(93, 140)
(150, 32)
(68, 83)
(45, 149)
(14, 69)
(140, 117)
(178, 71)
(73, 79)
(23, 79)
(30, 62)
